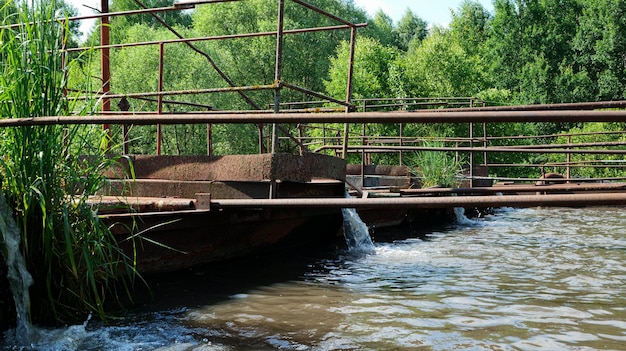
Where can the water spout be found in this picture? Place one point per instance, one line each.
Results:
(461, 218)
(19, 277)
(355, 232)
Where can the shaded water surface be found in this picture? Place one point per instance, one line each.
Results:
(531, 279)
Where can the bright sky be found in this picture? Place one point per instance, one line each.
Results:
(433, 12)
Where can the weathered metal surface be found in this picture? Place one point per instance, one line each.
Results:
(234, 167)
(177, 240)
(186, 189)
(160, 188)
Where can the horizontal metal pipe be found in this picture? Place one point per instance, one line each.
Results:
(563, 106)
(190, 92)
(385, 149)
(433, 202)
(215, 37)
(520, 188)
(356, 117)
(314, 93)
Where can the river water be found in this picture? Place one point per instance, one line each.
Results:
(519, 279)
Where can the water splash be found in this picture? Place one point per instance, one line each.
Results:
(19, 277)
(355, 231)
(461, 218)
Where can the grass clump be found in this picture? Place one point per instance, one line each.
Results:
(435, 168)
(73, 257)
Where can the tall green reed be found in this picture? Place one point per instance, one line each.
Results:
(74, 259)
(435, 168)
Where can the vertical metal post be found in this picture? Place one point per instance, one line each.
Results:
(106, 68)
(300, 139)
(209, 139)
(260, 127)
(363, 134)
(160, 98)
(485, 144)
(471, 155)
(569, 158)
(401, 141)
(278, 69)
(346, 128)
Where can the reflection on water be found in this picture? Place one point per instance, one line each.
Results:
(531, 279)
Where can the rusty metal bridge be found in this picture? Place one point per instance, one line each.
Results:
(481, 187)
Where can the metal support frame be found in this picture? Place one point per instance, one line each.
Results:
(105, 66)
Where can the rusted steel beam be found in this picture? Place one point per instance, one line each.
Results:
(195, 91)
(323, 12)
(105, 64)
(117, 204)
(386, 149)
(543, 107)
(520, 188)
(315, 94)
(356, 117)
(209, 59)
(568, 145)
(560, 200)
(216, 37)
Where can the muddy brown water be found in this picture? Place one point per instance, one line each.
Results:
(520, 279)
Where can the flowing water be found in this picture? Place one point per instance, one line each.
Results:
(520, 279)
(18, 276)
(356, 232)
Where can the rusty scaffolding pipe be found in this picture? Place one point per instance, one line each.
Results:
(105, 66)
(225, 77)
(356, 117)
(346, 126)
(278, 68)
(430, 202)
(385, 149)
(217, 37)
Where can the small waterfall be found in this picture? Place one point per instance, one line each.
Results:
(355, 231)
(19, 278)
(459, 213)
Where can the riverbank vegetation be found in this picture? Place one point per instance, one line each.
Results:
(74, 260)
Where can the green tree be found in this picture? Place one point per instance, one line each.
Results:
(530, 37)
(599, 44)
(173, 18)
(382, 29)
(470, 26)
(371, 78)
(439, 66)
(409, 28)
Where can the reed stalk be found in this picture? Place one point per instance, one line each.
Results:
(73, 257)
